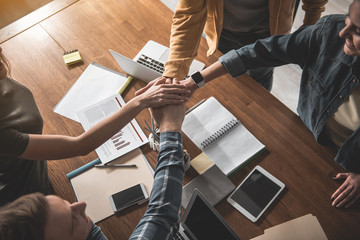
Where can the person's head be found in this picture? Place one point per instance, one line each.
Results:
(66, 221)
(24, 218)
(351, 32)
(35, 216)
(4, 66)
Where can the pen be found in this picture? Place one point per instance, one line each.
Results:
(193, 107)
(115, 165)
(122, 89)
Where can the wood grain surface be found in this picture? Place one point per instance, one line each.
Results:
(93, 27)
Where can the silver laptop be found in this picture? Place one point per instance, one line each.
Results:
(202, 222)
(148, 64)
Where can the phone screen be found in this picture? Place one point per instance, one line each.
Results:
(255, 193)
(128, 196)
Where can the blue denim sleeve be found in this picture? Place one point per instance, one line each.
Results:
(348, 155)
(273, 51)
(162, 216)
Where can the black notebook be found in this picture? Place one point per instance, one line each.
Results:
(221, 136)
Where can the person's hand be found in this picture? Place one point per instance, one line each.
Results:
(187, 83)
(150, 84)
(190, 85)
(169, 117)
(160, 94)
(348, 192)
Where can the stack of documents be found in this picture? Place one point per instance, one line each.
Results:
(211, 182)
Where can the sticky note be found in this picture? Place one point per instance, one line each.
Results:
(201, 163)
(72, 57)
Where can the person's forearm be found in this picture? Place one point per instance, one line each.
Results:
(48, 147)
(210, 73)
(214, 71)
(163, 213)
(188, 24)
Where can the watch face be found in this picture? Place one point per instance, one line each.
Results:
(197, 78)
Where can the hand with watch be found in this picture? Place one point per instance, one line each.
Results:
(195, 81)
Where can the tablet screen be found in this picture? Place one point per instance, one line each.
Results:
(255, 193)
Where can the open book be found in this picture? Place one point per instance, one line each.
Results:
(221, 136)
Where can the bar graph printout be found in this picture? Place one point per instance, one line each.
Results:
(124, 141)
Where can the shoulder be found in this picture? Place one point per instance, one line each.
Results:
(331, 23)
(329, 28)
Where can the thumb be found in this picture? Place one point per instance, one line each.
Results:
(341, 175)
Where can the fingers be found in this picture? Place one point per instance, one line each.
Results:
(341, 175)
(168, 81)
(340, 189)
(164, 83)
(354, 198)
(144, 89)
(160, 80)
(348, 192)
(344, 194)
(157, 81)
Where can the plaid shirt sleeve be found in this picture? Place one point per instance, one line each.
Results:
(162, 216)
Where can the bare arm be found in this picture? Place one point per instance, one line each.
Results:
(51, 147)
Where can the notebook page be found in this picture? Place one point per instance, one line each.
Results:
(205, 120)
(229, 151)
(233, 149)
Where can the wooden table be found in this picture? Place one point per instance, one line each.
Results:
(93, 27)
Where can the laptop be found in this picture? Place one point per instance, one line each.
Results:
(202, 222)
(148, 64)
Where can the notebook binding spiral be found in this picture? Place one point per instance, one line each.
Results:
(213, 137)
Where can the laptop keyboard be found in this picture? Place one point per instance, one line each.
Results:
(178, 236)
(151, 63)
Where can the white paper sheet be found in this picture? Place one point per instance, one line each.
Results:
(95, 83)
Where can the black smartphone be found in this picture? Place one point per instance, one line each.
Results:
(128, 197)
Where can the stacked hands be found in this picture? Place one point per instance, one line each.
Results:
(166, 100)
(172, 95)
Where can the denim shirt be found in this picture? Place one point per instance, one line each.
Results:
(162, 216)
(328, 78)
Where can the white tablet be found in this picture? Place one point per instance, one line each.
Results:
(255, 194)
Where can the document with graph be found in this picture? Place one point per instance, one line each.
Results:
(126, 140)
(221, 136)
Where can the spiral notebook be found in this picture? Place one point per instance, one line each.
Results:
(221, 136)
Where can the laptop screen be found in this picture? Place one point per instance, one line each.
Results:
(205, 222)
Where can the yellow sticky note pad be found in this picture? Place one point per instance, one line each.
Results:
(201, 163)
(72, 57)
